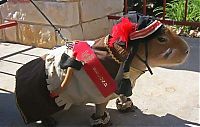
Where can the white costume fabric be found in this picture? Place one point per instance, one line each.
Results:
(81, 89)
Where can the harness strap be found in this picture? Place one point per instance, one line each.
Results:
(145, 61)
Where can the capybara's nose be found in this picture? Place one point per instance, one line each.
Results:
(187, 51)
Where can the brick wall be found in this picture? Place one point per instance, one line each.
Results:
(77, 19)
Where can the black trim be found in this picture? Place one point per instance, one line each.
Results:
(67, 61)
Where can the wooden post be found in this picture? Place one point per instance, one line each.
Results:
(186, 10)
(164, 9)
(125, 6)
(144, 7)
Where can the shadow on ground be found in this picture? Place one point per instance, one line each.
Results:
(9, 115)
(133, 119)
(78, 116)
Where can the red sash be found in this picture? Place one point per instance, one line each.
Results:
(95, 69)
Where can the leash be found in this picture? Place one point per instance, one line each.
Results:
(58, 31)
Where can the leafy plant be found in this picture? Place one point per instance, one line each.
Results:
(194, 11)
(175, 10)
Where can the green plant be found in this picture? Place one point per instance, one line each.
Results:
(175, 10)
(194, 11)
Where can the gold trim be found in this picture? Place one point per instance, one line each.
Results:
(109, 51)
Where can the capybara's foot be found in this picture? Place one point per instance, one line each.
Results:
(124, 107)
(103, 121)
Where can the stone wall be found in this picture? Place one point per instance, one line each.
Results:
(77, 19)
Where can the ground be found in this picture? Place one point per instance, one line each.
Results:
(169, 98)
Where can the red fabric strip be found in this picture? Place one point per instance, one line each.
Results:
(95, 69)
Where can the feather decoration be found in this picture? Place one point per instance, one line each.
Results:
(121, 31)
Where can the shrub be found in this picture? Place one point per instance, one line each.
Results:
(175, 10)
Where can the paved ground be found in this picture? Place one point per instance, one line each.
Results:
(169, 98)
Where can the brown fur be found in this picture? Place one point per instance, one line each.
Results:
(156, 48)
(158, 56)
